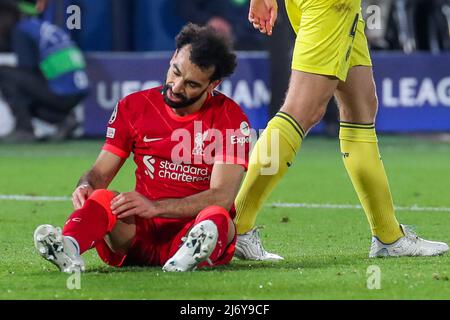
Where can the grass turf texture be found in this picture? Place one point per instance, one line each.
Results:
(325, 250)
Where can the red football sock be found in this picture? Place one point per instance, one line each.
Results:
(220, 217)
(93, 221)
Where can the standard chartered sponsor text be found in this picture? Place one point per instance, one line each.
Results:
(182, 172)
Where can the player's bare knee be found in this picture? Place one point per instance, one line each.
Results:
(307, 115)
(372, 104)
(317, 116)
(363, 112)
(357, 106)
(313, 117)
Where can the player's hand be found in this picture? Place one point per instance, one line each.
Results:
(80, 195)
(133, 203)
(263, 14)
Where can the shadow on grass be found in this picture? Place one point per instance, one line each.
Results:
(135, 269)
(303, 262)
(290, 263)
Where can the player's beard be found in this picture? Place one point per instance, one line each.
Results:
(185, 102)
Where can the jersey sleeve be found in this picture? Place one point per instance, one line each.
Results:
(237, 136)
(119, 132)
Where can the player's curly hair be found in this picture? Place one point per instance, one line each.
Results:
(209, 48)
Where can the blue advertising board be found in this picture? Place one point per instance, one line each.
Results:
(114, 76)
(413, 91)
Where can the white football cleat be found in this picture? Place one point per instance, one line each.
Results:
(59, 250)
(408, 245)
(249, 247)
(197, 247)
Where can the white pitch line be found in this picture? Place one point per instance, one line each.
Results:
(18, 197)
(351, 206)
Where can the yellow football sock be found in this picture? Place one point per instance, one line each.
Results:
(273, 153)
(359, 147)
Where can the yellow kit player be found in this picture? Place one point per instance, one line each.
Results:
(331, 57)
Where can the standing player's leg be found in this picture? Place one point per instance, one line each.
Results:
(358, 107)
(325, 33)
(210, 240)
(359, 146)
(305, 105)
(83, 229)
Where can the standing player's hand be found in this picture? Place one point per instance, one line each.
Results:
(133, 203)
(80, 195)
(263, 14)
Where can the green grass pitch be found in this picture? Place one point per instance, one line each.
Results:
(325, 249)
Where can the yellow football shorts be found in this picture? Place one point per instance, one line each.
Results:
(330, 36)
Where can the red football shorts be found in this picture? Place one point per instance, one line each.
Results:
(157, 240)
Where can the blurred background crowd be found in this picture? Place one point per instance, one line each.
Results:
(151, 25)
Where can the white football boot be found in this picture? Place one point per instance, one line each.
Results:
(249, 247)
(59, 250)
(197, 247)
(408, 245)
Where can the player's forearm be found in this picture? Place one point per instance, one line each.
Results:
(192, 205)
(93, 179)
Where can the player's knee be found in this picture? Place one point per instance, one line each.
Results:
(369, 103)
(213, 210)
(363, 111)
(220, 217)
(104, 192)
(313, 117)
(306, 115)
(103, 197)
(373, 103)
(318, 115)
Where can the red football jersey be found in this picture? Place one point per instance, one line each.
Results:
(175, 155)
